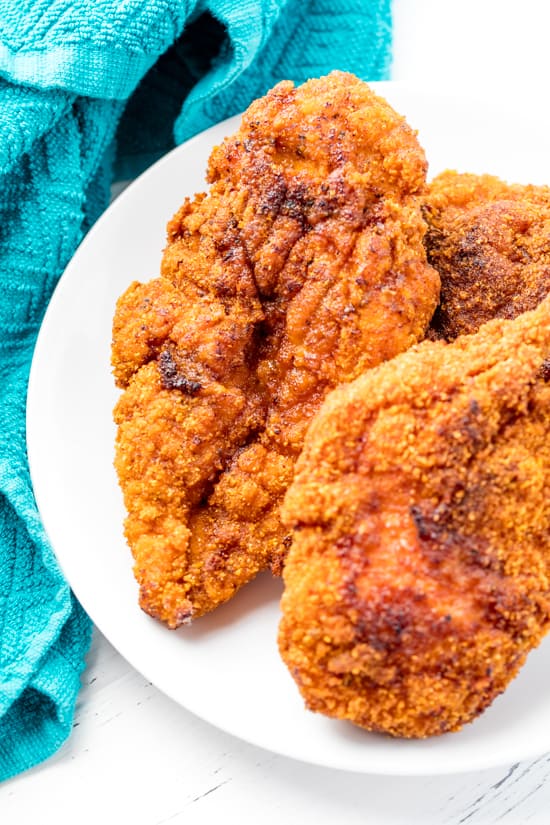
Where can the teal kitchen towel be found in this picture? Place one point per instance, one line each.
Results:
(90, 89)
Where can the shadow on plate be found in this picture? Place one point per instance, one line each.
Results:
(264, 592)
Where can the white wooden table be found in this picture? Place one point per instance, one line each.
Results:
(136, 757)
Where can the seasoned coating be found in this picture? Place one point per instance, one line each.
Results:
(303, 266)
(419, 575)
(490, 242)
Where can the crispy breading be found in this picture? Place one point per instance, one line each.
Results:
(302, 267)
(490, 242)
(419, 575)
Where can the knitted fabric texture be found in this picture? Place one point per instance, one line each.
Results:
(77, 78)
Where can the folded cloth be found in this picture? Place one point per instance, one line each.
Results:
(88, 87)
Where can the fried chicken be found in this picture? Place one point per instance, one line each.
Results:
(301, 267)
(490, 242)
(419, 575)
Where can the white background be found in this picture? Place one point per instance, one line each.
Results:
(135, 756)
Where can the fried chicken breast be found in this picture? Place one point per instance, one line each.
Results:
(419, 575)
(490, 242)
(300, 268)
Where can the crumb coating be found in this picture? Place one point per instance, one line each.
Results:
(490, 242)
(300, 268)
(419, 574)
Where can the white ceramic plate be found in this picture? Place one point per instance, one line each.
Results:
(226, 668)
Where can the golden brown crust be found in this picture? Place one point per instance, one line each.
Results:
(490, 242)
(419, 575)
(302, 267)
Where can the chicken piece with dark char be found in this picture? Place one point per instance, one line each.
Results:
(490, 242)
(418, 579)
(300, 268)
